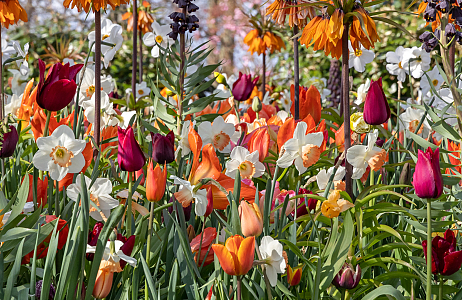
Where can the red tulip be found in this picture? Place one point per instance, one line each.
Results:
(8, 142)
(428, 181)
(93, 238)
(376, 109)
(209, 209)
(208, 236)
(130, 156)
(42, 186)
(445, 259)
(58, 89)
(243, 87)
(294, 275)
(163, 147)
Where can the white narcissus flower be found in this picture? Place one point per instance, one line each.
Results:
(186, 194)
(360, 156)
(441, 104)
(183, 143)
(436, 80)
(395, 63)
(7, 50)
(359, 58)
(323, 176)
(286, 100)
(321, 85)
(417, 101)
(114, 256)
(87, 88)
(142, 90)
(23, 65)
(218, 134)
(271, 254)
(410, 120)
(13, 104)
(110, 33)
(99, 194)
(420, 61)
(106, 107)
(60, 153)
(125, 117)
(245, 162)
(158, 37)
(302, 150)
(362, 91)
(18, 82)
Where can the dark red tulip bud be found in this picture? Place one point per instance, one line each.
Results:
(209, 209)
(58, 89)
(445, 259)
(302, 209)
(8, 142)
(163, 147)
(93, 238)
(428, 181)
(376, 109)
(130, 156)
(243, 87)
(379, 142)
(127, 249)
(347, 277)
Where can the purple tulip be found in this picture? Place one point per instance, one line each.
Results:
(347, 277)
(376, 109)
(38, 290)
(130, 156)
(243, 87)
(428, 181)
(163, 147)
(58, 89)
(445, 259)
(8, 142)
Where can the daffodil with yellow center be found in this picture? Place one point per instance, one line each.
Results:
(158, 38)
(245, 162)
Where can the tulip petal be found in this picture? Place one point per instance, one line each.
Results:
(452, 263)
(246, 254)
(225, 258)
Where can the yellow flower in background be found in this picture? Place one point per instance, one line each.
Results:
(358, 124)
(333, 206)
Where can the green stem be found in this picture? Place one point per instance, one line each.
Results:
(440, 292)
(57, 199)
(129, 205)
(429, 250)
(47, 124)
(148, 247)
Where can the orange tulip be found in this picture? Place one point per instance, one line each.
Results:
(309, 103)
(42, 186)
(260, 141)
(236, 257)
(286, 131)
(251, 219)
(294, 276)
(155, 182)
(103, 284)
(107, 133)
(220, 200)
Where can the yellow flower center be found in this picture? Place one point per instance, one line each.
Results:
(221, 140)
(435, 82)
(413, 126)
(399, 65)
(105, 37)
(61, 156)
(358, 52)
(95, 200)
(247, 169)
(140, 92)
(90, 91)
(159, 39)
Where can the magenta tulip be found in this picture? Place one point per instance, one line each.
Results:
(130, 156)
(58, 89)
(428, 181)
(376, 109)
(163, 147)
(243, 87)
(445, 259)
(347, 277)
(8, 142)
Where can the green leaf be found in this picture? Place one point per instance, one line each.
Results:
(15, 271)
(382, 291)
(49, 262)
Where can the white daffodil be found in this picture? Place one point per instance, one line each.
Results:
(436, 80)
(218, 134)
(13, 104)
(187, 194)
(419, 100)
(359, 58)
(69, 61)
(125, 118)
(286, 100)
(87, 89)
(362, 92)
(360, 156)
(60, 153)
(445, 94)
(115, 255)
(99, 194)
(110, 33)
(142, 90)
(23, 65)
(7, 50)
(158, 37)
(18, 82)
(283, 115)
(410, 120)
(302, 150)
(395, 63)
(106, 108)
(271, 254)
(420, 61)
(245, 162)
(266, 99)
(183, 143)
(323, 177)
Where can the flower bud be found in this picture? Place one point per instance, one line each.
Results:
(8, 141)
(256, 104)
(209, 209)
(170, 93)
(191, 233)
(347, 277)
(130, 156)
(242, 88)
(428, 181)
(163, 147)
(155, 182)
(294, 276)
(251, 219)
(358, 124)
(103, 284)
(376, 109)
(219, 78)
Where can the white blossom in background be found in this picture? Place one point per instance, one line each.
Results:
(395, 63)
(218, 134)
(13, 104)
(22, 64)
(18, 82)
(142, 90)
(417, 60)
(87, 89)
(362, 92)
(436, 80)
(187, 194)
(410, 119)
(7, 50)
(110, 33)
(323, 176)
(158, 37)
(359, 58)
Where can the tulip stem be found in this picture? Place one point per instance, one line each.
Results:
(148, 246)
(440, 291)
(429, 250)
(238, 287)
(47, 124)
(129, 205)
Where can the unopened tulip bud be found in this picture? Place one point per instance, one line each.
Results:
(405, 177)
(209, 209)
(294, 275)
(8, 140)
(103, 284)
(163, 147)
(219, 77)
(251, 219)
(38, 290)
(428, 181)
(275, 95)
(155, 182)
(347, 277)
(376, 109)
(191, 233)
(256, 104)
(243, 87)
